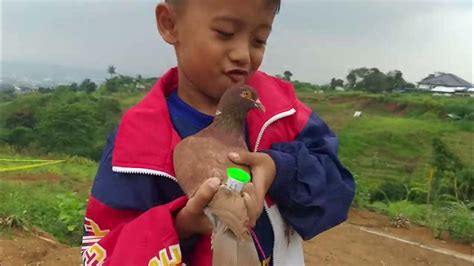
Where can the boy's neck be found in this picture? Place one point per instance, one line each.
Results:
(195, 98)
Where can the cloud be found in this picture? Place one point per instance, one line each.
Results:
(317, 40)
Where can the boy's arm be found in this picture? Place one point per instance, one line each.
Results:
(312, 188)
(122, 225)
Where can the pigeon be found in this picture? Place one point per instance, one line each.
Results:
(205, 155)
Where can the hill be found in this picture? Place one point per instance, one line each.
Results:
(411, 161)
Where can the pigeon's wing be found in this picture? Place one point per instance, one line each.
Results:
(198, 158)
(205, 155)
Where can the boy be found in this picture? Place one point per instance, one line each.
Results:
(138, 215)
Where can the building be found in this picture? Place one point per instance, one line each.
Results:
(444, 83)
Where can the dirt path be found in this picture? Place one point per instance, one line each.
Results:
(366, 239)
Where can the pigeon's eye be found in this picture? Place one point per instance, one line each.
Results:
(246, 94)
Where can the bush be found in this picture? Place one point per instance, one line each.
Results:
(416, 213)
(453, 218)
(362, 195)
(459, 109)
(68, 129)
(461, 222)
(429, 116)
(389, 191)
(71, 211)
(21, 137)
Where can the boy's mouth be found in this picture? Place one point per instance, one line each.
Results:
(237, 75)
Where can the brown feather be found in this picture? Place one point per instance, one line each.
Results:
(205, 155)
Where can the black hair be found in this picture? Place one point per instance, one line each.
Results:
(177, 3)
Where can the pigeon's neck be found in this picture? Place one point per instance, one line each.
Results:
(232, 121)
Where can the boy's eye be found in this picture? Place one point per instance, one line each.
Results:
(224, 34)
(261, 42)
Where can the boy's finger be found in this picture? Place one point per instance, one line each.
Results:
(251, 202)
(250, 189)
(245, 158)
(203, 195)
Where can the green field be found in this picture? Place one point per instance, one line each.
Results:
(389, 149)
(388, 141)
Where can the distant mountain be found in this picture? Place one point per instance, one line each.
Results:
(38, 74)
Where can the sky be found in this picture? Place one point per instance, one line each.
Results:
(314, 39)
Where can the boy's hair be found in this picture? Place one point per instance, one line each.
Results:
(178, 3)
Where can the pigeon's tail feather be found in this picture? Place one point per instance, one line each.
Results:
(228, 251)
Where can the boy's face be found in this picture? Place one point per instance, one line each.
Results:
(220, 43)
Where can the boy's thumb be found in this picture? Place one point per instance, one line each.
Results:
(244, 158)
(203, 195)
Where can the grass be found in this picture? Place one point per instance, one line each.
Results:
(39, 204)
(390, 142)
(51, 197)
(384, 144)
(390, 148)
(455, 219)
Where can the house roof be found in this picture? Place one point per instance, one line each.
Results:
(446, 80)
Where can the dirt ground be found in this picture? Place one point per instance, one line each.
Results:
(366, 239)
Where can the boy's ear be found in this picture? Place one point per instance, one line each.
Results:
(166, 22)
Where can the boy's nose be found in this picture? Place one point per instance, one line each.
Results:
(240, 55)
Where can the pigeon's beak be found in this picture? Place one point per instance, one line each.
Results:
(259, 105)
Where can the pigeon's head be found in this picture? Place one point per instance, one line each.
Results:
(241, 99)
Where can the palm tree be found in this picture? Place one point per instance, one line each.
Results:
(287, 75)
(111, 70)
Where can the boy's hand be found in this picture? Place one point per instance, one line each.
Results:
(263, 171)
(191, 219)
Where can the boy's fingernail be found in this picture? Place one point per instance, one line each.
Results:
(234, 155)
(214, 182)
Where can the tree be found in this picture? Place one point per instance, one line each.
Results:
(68, 128)
(351, 79)
(356, 75)
(395, 79)
(111, 70)
(410, 85)
(21, 118)
(7, 92)
(336, 83)
(88, 86)
(44, 90)
(287, 75)
(21, 137)
(74, 86)
(376, 81)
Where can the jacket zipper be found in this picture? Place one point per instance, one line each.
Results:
(132, 170)
(270, 121)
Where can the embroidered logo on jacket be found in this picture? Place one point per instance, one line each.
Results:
(94, 256)
(167, 257)
(92, 253)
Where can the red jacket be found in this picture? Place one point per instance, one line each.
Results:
(144, 143)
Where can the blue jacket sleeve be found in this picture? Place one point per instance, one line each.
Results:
(312, 188)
